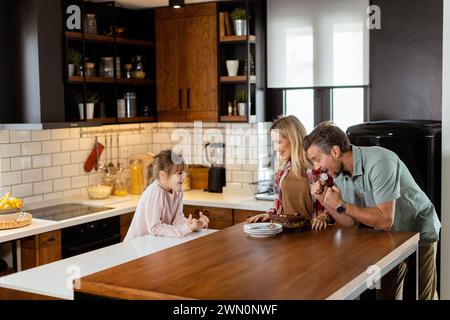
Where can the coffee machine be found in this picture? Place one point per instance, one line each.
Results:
(215, 155)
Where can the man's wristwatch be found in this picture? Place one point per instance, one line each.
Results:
(341, 208)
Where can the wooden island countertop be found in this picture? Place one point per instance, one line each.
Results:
(231, 265)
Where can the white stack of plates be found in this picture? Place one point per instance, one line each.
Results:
(262, 229)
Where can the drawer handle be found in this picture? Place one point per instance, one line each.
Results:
(51, 239)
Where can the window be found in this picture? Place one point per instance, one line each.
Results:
(345, 106)
(300, 103)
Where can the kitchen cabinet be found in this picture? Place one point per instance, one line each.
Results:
(125, 222)
(40, 249)
(186, 63)
(219, 218)
(242, 215)
(124, 38)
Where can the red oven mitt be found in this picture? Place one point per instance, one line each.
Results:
(91, 161)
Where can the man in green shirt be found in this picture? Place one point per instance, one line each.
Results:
(375, 188)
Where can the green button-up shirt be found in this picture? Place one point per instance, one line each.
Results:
(380, 176)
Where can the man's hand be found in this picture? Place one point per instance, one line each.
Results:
(318, 190)
(332, 197)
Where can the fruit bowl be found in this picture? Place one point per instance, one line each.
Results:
(99, 191)
(8, 215)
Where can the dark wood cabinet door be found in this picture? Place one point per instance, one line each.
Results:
(41, 249)
(200, 67)
(219, 218)
(242, 215)
(169, 73)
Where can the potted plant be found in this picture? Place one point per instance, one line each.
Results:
(239, 17)
(241, 99)
(74, 59)
(91, 99)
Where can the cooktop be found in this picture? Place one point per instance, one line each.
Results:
(65, 211)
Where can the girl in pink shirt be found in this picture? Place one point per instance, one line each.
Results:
(160, 209)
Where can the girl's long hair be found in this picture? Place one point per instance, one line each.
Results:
(292, 129)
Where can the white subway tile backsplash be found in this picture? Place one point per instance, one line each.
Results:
(41, 135)
(141, 149)
(70, 170)
(32, 175)
(19, 136)
(71, 193)
(80, 181)
(11, 178)
(34, 199)
(79, 156)
(5, 190)
(86, 143)
(132, 139)
(9, 150)
(242, 176)
(62, 184)
(22, 190)
(52, 173)
(42, 187)
(5, 165)
(61, 158)
(53, 196)
(59, 134)
(75, 133)
(41, 161)
(94, 178)
(51, 146)
(31, 148)
(4, 136)
(70, 145)
(20, 163)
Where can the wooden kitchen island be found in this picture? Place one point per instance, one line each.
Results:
(337, 263)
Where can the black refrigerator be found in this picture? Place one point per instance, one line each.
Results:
(418, 145)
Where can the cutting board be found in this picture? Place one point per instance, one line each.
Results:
(199, 177)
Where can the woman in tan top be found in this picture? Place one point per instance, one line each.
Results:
(291, 184)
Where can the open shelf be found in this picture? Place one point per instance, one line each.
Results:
(135, 81)
(237, 39)
(234, 118)
(107, 39)
(80, 79)
(237, 79)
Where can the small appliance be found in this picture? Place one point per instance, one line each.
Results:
(215, 155)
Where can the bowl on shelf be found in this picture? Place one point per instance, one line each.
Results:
(99, 191)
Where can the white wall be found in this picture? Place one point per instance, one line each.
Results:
(445, 211)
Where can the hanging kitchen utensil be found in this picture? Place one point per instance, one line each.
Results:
(93, 157)
(111, 167)
(119, 166)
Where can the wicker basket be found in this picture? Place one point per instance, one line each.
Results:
(295, 222)
(22, 221)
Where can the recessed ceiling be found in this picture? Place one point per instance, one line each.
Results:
(143, 4)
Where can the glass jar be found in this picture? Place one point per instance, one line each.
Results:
(130, 104)
(136, 182)
(107, 67)
(90, 23)
(138, 69)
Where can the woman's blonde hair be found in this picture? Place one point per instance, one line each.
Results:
(292, 129)
(167, 161)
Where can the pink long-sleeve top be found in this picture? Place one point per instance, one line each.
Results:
(159, 213)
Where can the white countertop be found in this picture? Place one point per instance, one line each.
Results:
(55, 279)
(234, 198)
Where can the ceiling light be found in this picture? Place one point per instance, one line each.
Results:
(176, 3)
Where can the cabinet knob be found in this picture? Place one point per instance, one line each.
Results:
(188, 98)
(180, 93)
